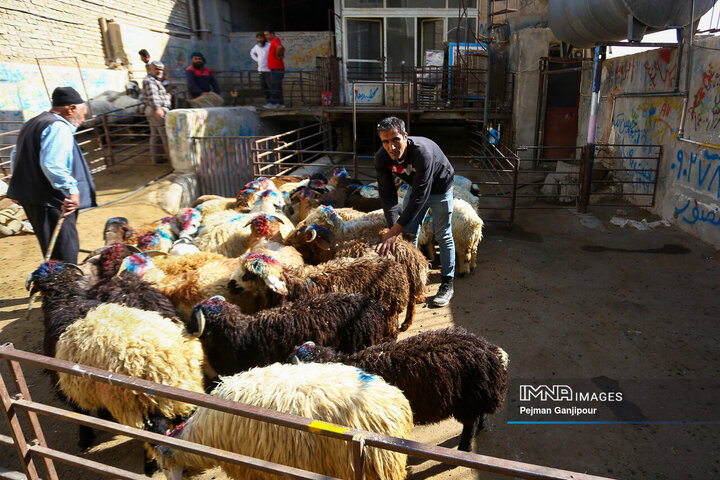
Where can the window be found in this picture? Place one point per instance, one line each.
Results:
(400, 43)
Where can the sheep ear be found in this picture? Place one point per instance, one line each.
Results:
(276, 285)
(323, 244)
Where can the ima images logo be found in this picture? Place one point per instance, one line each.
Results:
(544, 393)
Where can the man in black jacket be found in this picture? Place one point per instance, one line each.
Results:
(50, 177)
(425, 168)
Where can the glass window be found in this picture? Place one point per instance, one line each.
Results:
(364, 39)
(400, 43)
(467, 3)
(416, 3)
(363, 3)
(463, 34)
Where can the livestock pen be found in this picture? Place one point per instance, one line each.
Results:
(37, 447)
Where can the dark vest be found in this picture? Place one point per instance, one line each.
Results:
(28, 183)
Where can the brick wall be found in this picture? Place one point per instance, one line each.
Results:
(59, 28)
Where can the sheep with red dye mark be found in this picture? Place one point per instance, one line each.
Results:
(443, 373)
(235, 342)
(268, 282)
(265, 237)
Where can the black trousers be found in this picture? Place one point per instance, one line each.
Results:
(43, 219)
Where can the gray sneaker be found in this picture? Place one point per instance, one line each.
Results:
(444, 294)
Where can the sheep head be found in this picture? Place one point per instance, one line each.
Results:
(111, 257)
(245, 198)
(148, 241)
(138, 264)
(314, 242)
(339, 175)
(50, 272)
(207, 314)
(186, 222)
(117, 229)
(269, 201)
(256, 273)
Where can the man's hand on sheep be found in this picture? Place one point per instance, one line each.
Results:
(387, 245)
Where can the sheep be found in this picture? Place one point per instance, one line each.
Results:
(185, 287)
(317, 245)
(268, 282)
(331, 393)
(265, 237)
(363, 198)
(139, 344)
(249, 193)
(235, 342)
(467, 233)
(132, 291)
(443, 373)
(360, 225)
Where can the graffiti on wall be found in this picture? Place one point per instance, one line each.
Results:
(692, 212)
(656, 73)
(700, 172)
(639, 131)
(301, 48)
(22, 89)
(705, 109)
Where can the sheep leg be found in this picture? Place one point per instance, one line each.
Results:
(470, 429)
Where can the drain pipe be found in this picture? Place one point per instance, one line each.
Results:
(688, 69)
(588, 157)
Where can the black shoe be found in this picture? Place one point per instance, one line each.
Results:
(444, 294)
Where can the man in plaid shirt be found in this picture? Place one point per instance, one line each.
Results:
(157, 104)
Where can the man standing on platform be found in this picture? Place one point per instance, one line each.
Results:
(157, 104)
(277, 68)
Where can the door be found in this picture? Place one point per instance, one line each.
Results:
(431, 38)
(364, 49)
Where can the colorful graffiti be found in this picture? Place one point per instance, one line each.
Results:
(705, 110)
(301, 48)
(657, 73)
(647, 125)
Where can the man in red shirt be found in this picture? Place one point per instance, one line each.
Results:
(277, 68)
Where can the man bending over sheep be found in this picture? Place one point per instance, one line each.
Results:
(425, 168)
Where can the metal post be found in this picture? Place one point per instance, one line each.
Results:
(354, 110)
(358, 448)
(109, 156)
(586, 165)
(19, 442)
(21, 386)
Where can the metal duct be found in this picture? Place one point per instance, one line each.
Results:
(584, 23)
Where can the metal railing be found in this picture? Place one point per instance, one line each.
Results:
(106, 140)
(300, 88)
(37, 448)
(223, 165)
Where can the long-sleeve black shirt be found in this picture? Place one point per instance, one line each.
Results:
(425, 168)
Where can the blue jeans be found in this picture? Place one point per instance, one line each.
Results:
(442, 208)
(265, 82)
(276, 93)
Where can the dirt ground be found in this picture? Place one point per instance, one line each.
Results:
(573, 299)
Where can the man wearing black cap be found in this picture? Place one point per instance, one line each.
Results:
(50, 177)
(199, 78)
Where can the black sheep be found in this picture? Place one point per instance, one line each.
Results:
(235, 342)
(443, 373)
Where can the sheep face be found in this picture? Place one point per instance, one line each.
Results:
(117, 229)
(49, 272)
(137, 264)
(187, 221)
(257, 273)
(111, 257)
(207, 314)
(305, 353)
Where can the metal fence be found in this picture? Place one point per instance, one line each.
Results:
(19, 405)
(108, 139)
(222, 164)
(299, 88)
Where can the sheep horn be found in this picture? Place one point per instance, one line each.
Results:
(313, 235)
(295, 360)
(201, 323)
(93, 253)
(154, 253)
(75, 267)
(29, 282)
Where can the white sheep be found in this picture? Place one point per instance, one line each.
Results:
(333, 393)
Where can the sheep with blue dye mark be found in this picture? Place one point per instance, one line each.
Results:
(234, 341)
(336, 394)
(268, 282)
(345, 225)
(443, 373)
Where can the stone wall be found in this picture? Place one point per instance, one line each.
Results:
(688, 191)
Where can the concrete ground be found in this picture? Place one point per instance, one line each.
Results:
(574, 301)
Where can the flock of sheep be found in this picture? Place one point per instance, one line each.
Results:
(275, 298)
